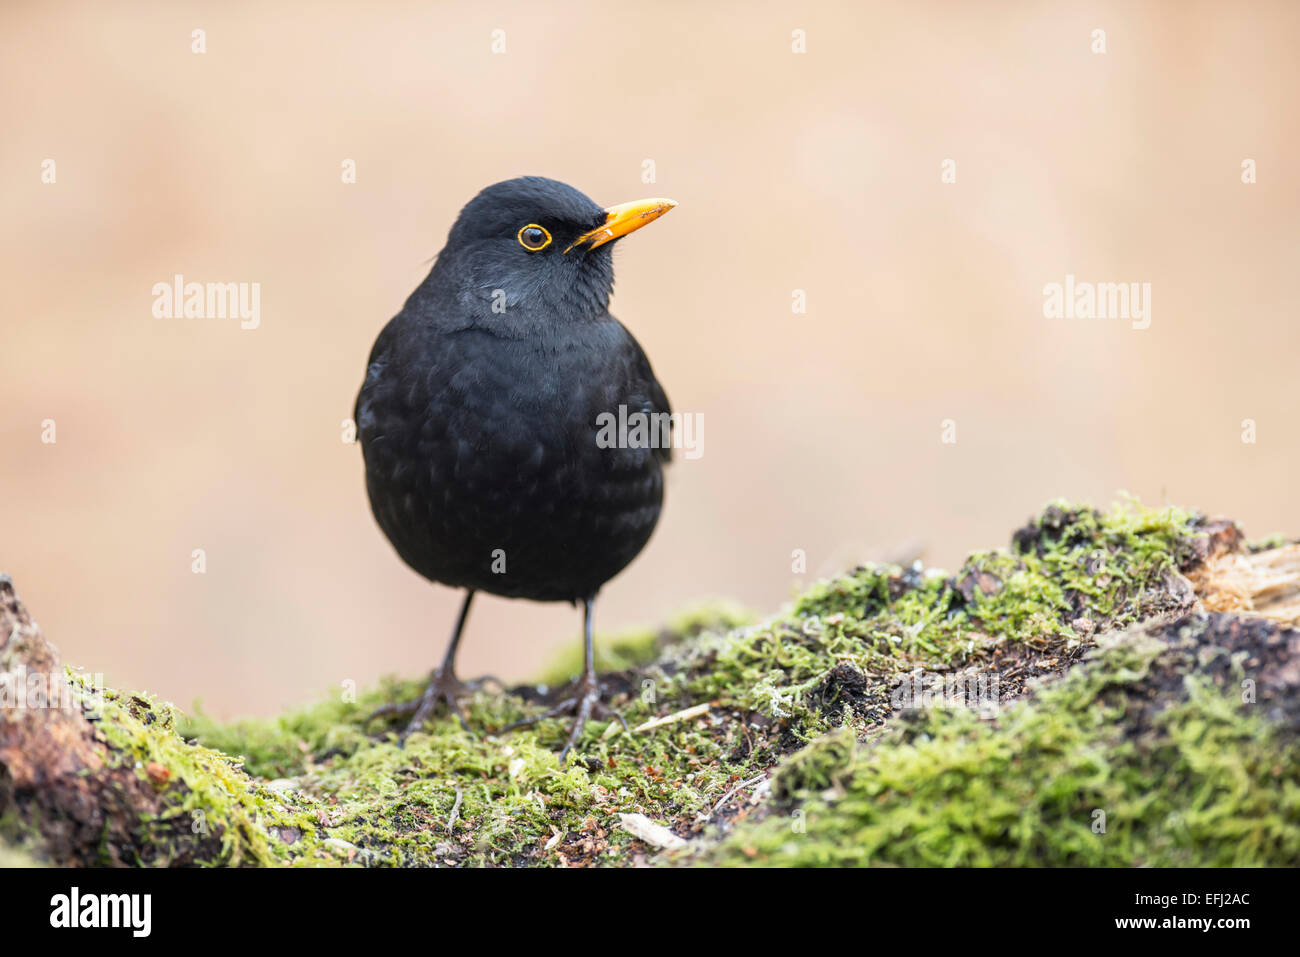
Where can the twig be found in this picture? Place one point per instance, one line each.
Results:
(685, 715)
(732, 793)
(640, 826)
(455, 809)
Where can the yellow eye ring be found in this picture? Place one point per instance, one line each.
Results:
(533, 247)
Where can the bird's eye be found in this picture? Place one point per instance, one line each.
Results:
(533, 237)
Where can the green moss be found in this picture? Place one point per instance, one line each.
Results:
(1071, 565)
(509, 795)
(285, 746)
(206, 799)
(768, 685)
(816, 767)
(1089, 773)
(346, 792)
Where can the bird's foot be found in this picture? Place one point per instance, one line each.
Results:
(443, 688)
(584, 703)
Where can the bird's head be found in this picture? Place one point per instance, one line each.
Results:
(533, 249)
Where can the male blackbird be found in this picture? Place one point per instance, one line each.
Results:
(478, 418)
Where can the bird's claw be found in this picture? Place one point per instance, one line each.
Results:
(584, 704)
(443, 688)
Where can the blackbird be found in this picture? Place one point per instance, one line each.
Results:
(480, 419)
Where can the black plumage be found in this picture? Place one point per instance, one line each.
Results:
(478, 417)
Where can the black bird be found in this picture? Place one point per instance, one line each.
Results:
(481, 415)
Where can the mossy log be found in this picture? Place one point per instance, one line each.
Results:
(1118, 688)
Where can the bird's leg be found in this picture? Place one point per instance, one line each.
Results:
(585, 699)
(443, 688)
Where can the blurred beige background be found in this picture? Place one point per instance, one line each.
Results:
(818, 172)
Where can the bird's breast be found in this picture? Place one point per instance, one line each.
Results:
(489, 450)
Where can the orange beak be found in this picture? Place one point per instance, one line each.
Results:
(623, 219)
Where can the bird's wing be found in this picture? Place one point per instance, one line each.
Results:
(374, 369)
(644, 391)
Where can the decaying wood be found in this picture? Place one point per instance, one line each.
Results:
(56, 771)
(1264, 583)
